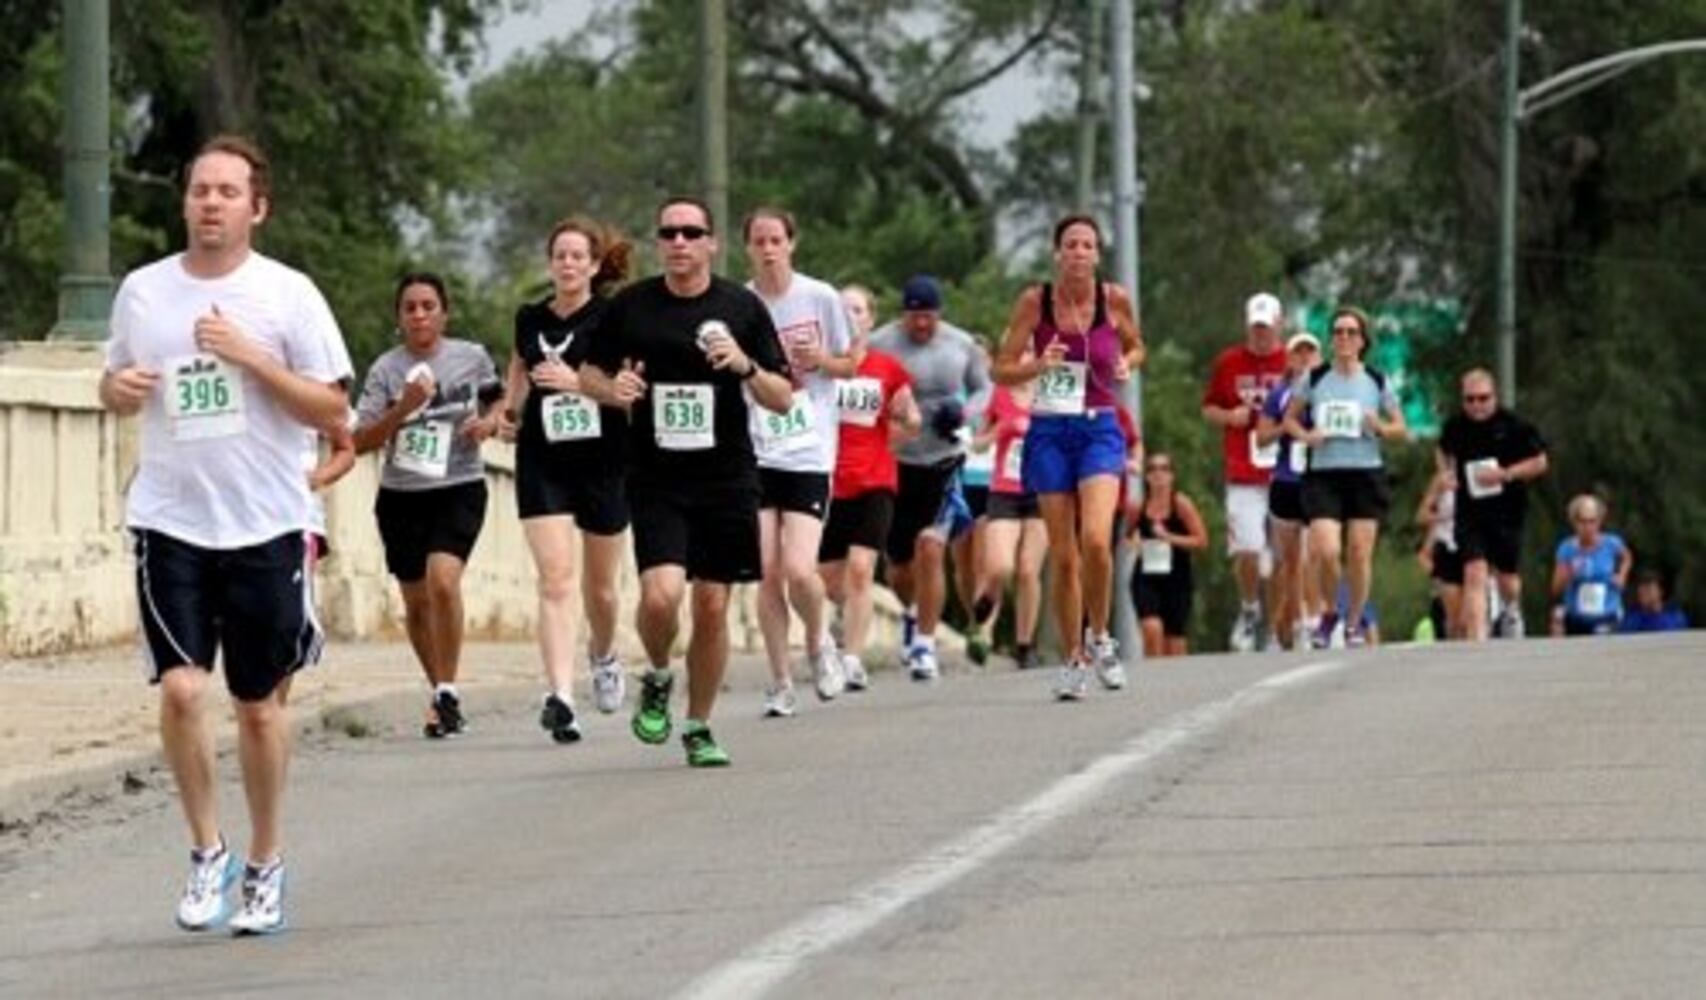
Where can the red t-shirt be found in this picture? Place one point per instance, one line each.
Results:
(864, 461)
(1243, 377)
(1012, 419)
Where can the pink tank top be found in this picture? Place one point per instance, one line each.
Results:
(1100, 346)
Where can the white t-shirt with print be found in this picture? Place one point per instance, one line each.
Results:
(810, 311)
(242, 483)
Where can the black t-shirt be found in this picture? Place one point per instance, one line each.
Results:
(539, 330)
(649, 325)
(1504, 437)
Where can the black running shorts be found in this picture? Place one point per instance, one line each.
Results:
(711, 530)
(1013, 507)
(546, 486)
(414, 524)
(862, 520)
(1496, 540)
(1345, 494)
(1448, 565)
(1165, 598)
(793, 492)
(252, 605)
(1285, 501)
(977, 499)
(923, 488)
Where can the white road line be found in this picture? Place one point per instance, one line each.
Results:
(772, 960)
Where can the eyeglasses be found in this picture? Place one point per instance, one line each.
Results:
(1480, 397)
(1347, 331)
(690, 233)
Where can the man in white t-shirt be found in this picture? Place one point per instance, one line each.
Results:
(223, 354)
(796, 455)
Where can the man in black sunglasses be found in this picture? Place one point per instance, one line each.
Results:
(683, 352)
(1493, 454)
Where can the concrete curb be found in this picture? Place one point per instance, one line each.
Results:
(34, 801)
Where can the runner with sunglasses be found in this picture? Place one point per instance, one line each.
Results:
(1493, 455)
(1351, 410)
(684, 352)
(1169, 528)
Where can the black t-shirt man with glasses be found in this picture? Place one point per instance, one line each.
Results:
(686, 353)
(1493, 454)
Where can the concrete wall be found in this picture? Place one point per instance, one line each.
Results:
(66, 578)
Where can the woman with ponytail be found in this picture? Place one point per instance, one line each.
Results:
(569, 466)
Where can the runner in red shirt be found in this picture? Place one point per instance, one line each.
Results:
(877, 411)
(1242, 376)
(1016, 537)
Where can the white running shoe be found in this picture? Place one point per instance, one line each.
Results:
(1302, 635)
(780, 702)
(1510, 623)
(609, 684)
(263, 902)
(1073, 682)
(923, 665)
(1243, 638)
(827, 673)
(203, 903)
(853, 669)
(1105, 654)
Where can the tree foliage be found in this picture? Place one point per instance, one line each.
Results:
(1329, 150)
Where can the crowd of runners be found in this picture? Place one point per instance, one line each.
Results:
(767, 432)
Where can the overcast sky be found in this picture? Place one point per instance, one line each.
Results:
(996, 109)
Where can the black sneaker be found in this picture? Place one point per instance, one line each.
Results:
(449, 708)
(558, 719)
(1025, 657)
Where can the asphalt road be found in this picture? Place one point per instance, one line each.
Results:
(1515, 820)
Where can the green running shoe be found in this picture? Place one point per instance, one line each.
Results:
(702, 748)
(651, 711)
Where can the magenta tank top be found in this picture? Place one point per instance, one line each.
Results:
(1100, 345)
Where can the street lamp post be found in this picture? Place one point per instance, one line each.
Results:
(1517, 106)
(85, 285)
(1507, 206)
(1123, 96)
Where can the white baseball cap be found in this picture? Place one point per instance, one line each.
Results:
(1300, 338)
(1263, 309)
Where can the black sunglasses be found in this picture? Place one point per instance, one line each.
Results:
(667, 233)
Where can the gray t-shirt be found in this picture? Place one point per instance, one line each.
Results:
(946, 367)
(429, 451)
(1338, 405)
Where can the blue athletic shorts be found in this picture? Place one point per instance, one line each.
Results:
(1061, 452)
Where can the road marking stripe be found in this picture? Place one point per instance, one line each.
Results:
(775, 958)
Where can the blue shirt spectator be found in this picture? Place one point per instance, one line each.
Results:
(1589, 571)
(1650, 613)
